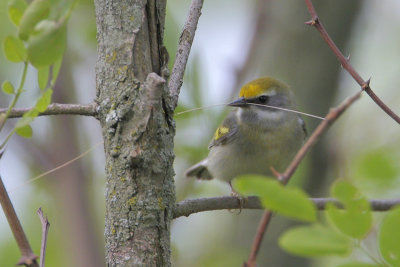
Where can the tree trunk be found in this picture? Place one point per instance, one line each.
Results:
(138, 132)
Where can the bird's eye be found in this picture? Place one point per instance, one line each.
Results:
(263, 99)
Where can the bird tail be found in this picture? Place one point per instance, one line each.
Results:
(199, 171)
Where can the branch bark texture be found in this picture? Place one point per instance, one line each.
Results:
(138, 132)
(182, 54)
(45, 229)
(57, 109)
(191, 206)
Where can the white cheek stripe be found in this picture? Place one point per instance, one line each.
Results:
(239, 115)
(271, 93)
(269, 115)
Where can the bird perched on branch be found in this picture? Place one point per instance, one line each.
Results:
(258, 136)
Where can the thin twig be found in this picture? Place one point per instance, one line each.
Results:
(316, 22)
(45, 229)
(58, 109)
(285, 177)
(27, 256)
(182, 54)
(19, 91)
(191, 206)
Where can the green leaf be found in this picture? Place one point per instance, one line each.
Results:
(27, 118)
(356, 219)
(38, 10)
(389, 237)
(14, 49)
(24, 131)
(288, 201)
(379, 166)
(7, 88)
(16, 9)
(48, 46)
(315, 240)
(344, 191)
(56, 70)
(43, 77)
(44, 101)
(360, 264)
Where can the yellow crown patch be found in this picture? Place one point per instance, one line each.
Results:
(259, 86)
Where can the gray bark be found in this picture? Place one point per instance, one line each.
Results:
(138, 132)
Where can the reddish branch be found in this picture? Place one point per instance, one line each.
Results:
(316, 22)
(27, 256)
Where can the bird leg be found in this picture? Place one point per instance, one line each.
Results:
(242, 199)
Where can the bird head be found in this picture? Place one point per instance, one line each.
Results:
(264, 92)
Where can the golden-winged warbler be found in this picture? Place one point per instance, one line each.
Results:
(255, 136)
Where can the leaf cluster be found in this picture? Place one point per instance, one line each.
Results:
(40, 40)
(348, 226)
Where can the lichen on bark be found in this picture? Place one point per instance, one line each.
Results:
(138, 132)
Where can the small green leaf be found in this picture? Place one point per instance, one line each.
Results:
(43, 77)
(44, 101)
(288, 201)
(360, 264)
(356, 219)
(315, 240)
(24, 131)
(16, 9)
(344, 191)
(38, 10)
(14, 49)
(389, 237)
(47, 47)
(56, 70)
(7, 88)
(378, 166)
(27, 118)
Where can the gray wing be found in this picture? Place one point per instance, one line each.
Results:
(226, 132)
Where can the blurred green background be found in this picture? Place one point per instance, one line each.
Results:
(236, 41)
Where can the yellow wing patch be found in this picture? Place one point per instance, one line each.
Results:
(220, 132)
(259, 86)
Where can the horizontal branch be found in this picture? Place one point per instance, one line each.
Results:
(58, 109)
(190, 206)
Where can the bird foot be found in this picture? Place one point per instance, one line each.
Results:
(242, 199)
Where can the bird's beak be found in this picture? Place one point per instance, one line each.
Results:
(241, 102)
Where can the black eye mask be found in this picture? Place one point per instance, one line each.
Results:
(277, 100)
